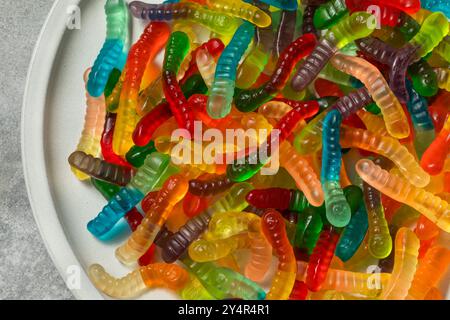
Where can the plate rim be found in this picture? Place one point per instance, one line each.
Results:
(33, 150)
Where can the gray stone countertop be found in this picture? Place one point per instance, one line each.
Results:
(26, 270)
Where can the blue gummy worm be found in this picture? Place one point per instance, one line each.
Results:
(232, 54)
(126, 199)
(331, 153)
(437, 5)
(108, 58)
(289, 5)
(353, 234)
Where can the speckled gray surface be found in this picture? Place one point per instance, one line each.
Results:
(26, 270)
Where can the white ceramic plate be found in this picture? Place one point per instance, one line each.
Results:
(52, 119)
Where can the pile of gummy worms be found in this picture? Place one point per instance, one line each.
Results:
(356, 94)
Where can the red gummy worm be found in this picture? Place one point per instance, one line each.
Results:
(150, 122)
(134, 219)
(198, 103)
(408, 6)
(434, 157)
(320, 259)
(390, 206)
(213, 46)
(299, 291)
(193, 205)
(325, 88)
(177, 102)
(106, 142)
(296, 51)
(303, 110)
(148, 256)
(278, 198)
(148, 201)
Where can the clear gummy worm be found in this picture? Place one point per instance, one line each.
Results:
(389, 148)
(399, 189)
(158, 275)
(393, 114)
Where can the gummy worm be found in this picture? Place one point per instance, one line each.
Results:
(405, 263)
(93, 127)
(210, 187)
(274, 229)
(341, 34)
(320, 259)
(100, 169)
(172, 192)
(127, 117)
(303, 174)
(176, 50)
(389, 148)
(107, 139)
(108, 190)
(337, 209)
(224, 283)
(145, 179)
(397, 188)
(434, 157)
(379, 238)
(348, 281)
(139, 281)
(178, 243)
(249, 100)
(114, 50)
(278, 198)
(217, 22)
(393, 114)
(222, 91)
(243, 10)
(429, 272)
(437, 5)
(203, 250)
(353, 235)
